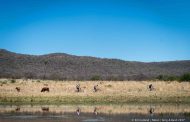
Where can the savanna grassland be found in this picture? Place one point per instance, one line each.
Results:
(64, 92)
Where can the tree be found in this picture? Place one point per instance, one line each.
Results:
(45, 63)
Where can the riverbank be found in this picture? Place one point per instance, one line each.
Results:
(103, 109)
(92, 100)
(109, 92)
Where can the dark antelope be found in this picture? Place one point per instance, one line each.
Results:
(95, 88)
(44, 89)
(150, 87)
(18, 89)
(78, 87)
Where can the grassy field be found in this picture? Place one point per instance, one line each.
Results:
(109, 92)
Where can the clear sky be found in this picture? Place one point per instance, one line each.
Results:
(135, 30)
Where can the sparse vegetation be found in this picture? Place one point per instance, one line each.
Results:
(95, 78)
(38, 81)
(68, 67)
(109, 85)
(13, 80)
(184, 77)
(109, 92)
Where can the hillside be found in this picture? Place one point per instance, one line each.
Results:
(61, 66)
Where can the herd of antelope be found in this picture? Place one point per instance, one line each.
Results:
(78, 88)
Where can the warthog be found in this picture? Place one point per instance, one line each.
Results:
(44, 89)
(18, 89)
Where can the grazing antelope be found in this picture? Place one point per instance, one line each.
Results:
(150, 87)
(45, 89)
(18, 89)
(95, 88)
(78, 88)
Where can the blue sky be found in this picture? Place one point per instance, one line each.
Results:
(135, 30)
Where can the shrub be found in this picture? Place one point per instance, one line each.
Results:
(13, 80)
(172, 78)
(109, 85)
(160, 77)
(185, 77)
(167, 78)
(96, 77)
(4, 82)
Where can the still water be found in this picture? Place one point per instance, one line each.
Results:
(95, 113)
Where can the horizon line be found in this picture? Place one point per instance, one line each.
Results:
(2, 49)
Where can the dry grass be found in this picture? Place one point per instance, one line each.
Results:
(132, 89)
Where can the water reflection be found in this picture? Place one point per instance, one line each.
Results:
(95, 111)
(72, 113)
(78, 111)
(45, 109)
(151, 111)
(17, 108)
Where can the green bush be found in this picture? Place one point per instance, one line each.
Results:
(167, 78)
(38, 81)
(185, 77)
(13, 80)
(96, 77)
(172, 78)
(109, 85)
(160, 77)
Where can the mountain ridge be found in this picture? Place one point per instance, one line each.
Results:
(64, 66)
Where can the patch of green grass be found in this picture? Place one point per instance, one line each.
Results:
(109, 86)
(13, 81)
(4, 82)
(91, 100)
